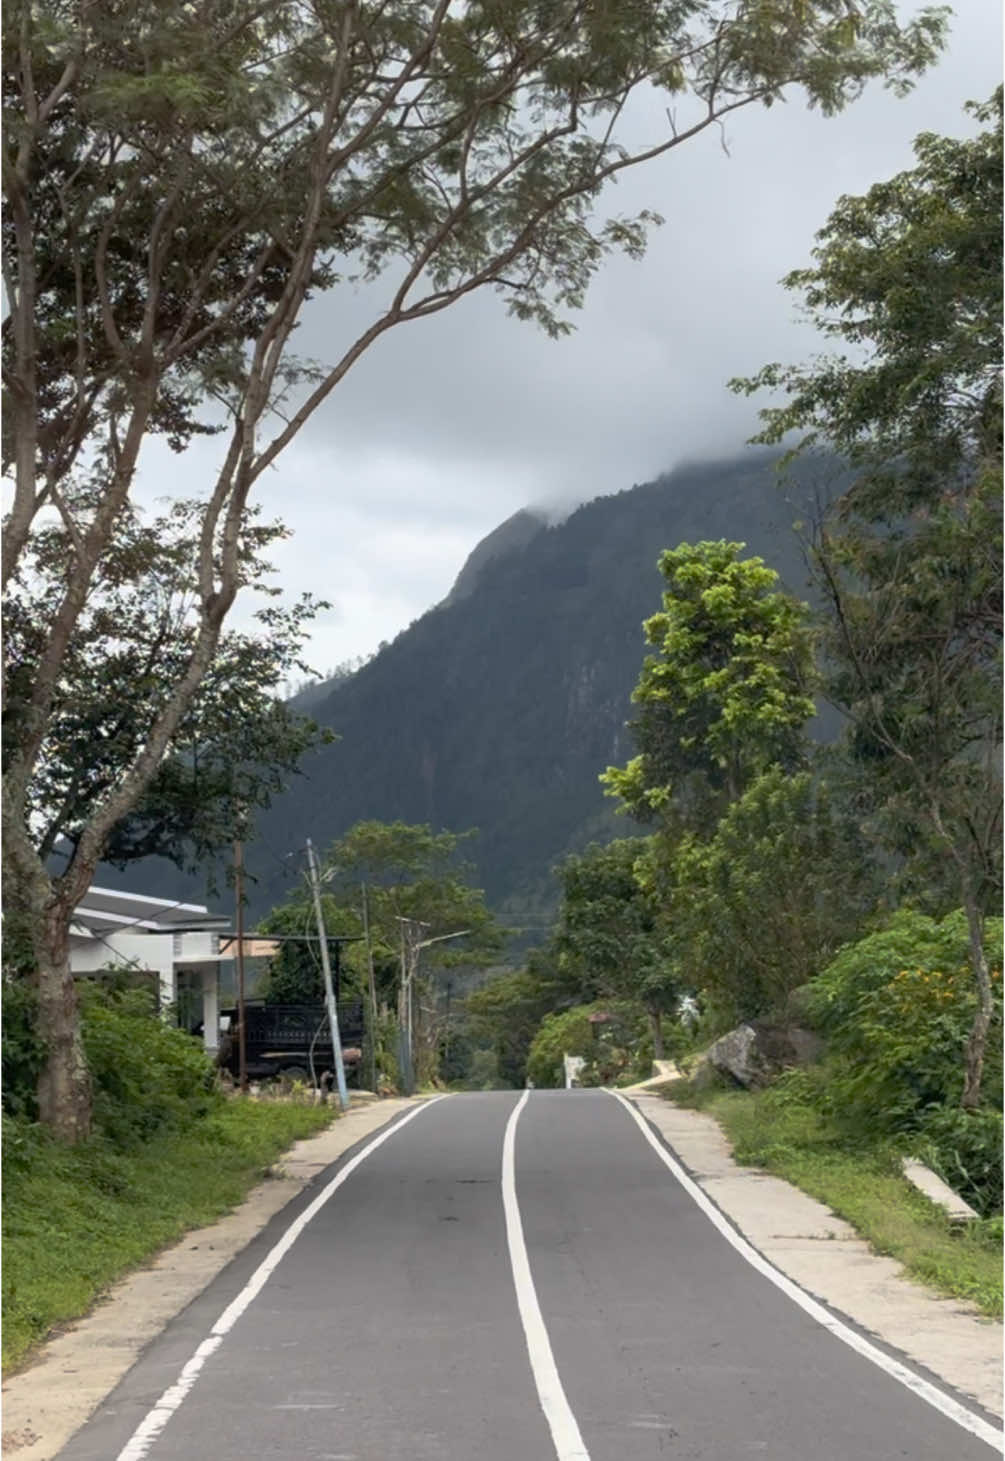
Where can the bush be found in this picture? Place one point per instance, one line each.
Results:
(566, 1033)
(897, 1008)
(148, 1076)
(612, 1051)
(965, 1148)
(23, 1051)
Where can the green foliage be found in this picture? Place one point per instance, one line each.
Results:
(560, 1034)
(760, 907)
(23, 1051)
(77, 1219)
(787, 1130)
(180, 183)
(909, 556)
(149, 1077)
(483, 1072)
(729, 692)
(607, 938)
(897, 1007)
(506, 1012)
(294, 973)
(912, 270)
(965, 1148)
(612, 1050)
(237, 744)
(914, 963)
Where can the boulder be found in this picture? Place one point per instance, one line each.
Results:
(753, 1054)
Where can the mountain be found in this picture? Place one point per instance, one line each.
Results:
(516, 532)
(500, 707)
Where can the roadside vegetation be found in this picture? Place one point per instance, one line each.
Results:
(831, 908)
(784, 1130)
(169, 1152)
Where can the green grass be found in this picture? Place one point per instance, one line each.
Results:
(864, 1186)
(75, 1220)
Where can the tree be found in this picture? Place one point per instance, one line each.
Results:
(608, 935)
(759, 908)
(728, 693)
(412, 876)
(506, 1012)
(233, 750)
(909, 558)
(180, 178)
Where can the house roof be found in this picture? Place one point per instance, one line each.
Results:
(110, 908)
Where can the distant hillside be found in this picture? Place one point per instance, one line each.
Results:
(499, 708)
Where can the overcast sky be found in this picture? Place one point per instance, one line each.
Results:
(451, 424)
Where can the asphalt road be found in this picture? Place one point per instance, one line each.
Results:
(594, 1313)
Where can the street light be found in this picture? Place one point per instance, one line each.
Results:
(409, 968)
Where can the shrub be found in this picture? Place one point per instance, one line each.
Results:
(23, 1051)
(612, 1050)
(965, 1148)
(566, 1033)
(897, 1008)
(148, 1076)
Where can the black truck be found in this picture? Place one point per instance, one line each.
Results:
(290, 1040)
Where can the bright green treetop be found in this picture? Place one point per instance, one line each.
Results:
(728, 692)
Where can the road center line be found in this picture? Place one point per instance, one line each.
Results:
(949, 1407)
(156, 1419)
(565, 1435)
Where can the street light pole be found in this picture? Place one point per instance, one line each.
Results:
(315, 879)
(409, 970)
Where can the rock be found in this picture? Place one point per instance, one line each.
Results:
(753, 1054)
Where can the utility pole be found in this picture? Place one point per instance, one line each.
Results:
(315, 878)
(372, 988)
(242, 1028)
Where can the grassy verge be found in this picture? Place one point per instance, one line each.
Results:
(76, 1220)
(864, 1186)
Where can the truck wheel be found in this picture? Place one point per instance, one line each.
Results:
(290, 1073)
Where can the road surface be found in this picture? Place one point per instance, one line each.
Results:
(511, 1277)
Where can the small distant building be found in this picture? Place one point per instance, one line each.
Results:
(181, 944)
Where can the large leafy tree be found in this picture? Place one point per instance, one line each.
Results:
(608, 936)
(180, 178)
(238, 742)
(758, 908)
(727, 693)
(908, 278)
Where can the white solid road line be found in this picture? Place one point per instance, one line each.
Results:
(157, 1418)
(949, 1407)
(565, 1435)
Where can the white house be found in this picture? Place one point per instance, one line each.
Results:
(178, 942)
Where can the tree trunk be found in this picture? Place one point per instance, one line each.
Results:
(64, 1086)
(656, 1026)
(973, 1062)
